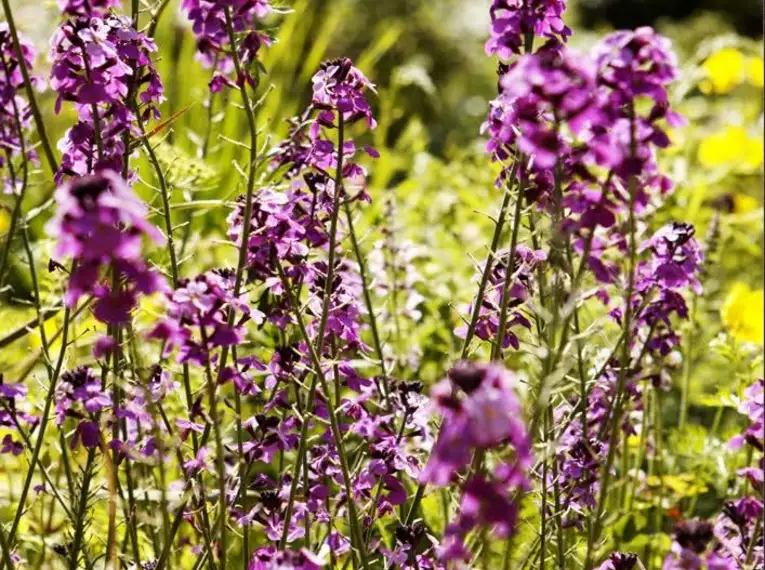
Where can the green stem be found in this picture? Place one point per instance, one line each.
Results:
(25, 168)
(594, 535)
(82, 504)
(486, 272)
(368, 300)
(319, 373)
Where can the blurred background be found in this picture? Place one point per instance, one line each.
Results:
(435, 47)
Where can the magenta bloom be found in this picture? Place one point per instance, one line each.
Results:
(338, 86)
(480, 411)
(100, 223)
(15, 113)
(11, 395)
(676, 257)
(268, 558)
(95, 62)
(197, 316)
(520, 289)
(87, 8)
(549, 89)
(620, 561)
(513, 21)
(209, 26)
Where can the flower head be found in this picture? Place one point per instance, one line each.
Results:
(480, 411)
(210, 28)
(15, 112)
(338, 86)
(268, 558)
(197, 316)
(515, 22)
(96, 63)
(100, 223)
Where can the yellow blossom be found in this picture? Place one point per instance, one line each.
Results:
(743, 203)
(755, 71)
(732, 146)
(742, 313)
(5, 221)
(723, 71)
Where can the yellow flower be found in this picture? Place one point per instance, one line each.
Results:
(742, 313)
(5, 221)
(733, 146)
(724, 70)
(743, 203)
(755, 71)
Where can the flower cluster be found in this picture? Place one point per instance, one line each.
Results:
(547, 89)
(102, 65)
(214, 22)
(673, 268)
(733, 540)
(338, 89)
(753, 406)
(514, 23)
(268, 558)
(480, 412)
(197, 319)
(632, 65)
(80, 395)
(15, 113)
(582, 449)
(11, 417)
(100, 223)
(285, 226)
(620, 561)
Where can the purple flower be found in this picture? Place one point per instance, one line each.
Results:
(339, 87)
(634, 64)
(284, 226)
(620, 561)
(753, 406)
(100, 223)
(690, 542)
(268, 558)
(79, 388)
(544, 91)
(480, 411)
(526, 261)
(9, 445)
(197, 316)
(15, 112)
(514, 22)
(87, 7)
(11, 416)
(213, 43)
(676, 258)
(96, 63)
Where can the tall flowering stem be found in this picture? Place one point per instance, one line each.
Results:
(13, 123)
(29, 85)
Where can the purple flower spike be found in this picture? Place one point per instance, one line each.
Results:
(87, 8)
(213, 46)
(100, 223)
(513, 21)
(197, 316)
(338, 86)
(15, 112)
(96, 63)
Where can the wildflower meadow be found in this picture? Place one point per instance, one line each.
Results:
(345, 285)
